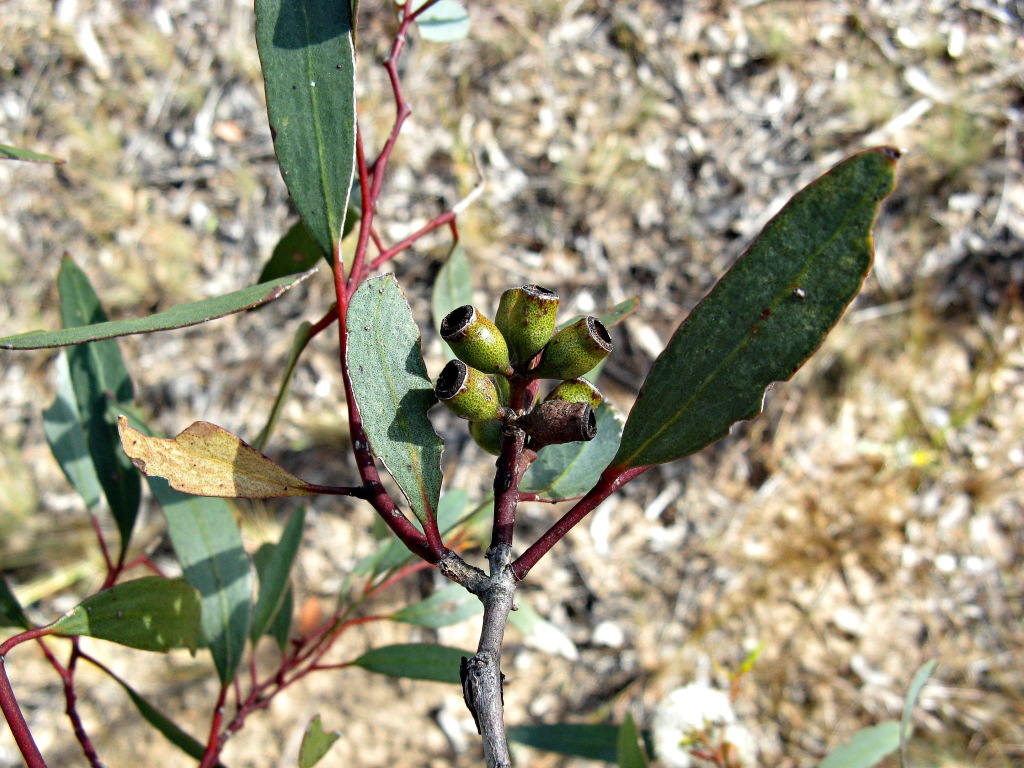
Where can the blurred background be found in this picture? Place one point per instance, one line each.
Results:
(869, 521)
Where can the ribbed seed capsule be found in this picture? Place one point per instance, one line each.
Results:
(577, 391)
(556, 421)
(574, 350)
(476, 341)
(526, 318)
(467, 392)
(487, 435)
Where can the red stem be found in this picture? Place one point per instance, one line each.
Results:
(214, 742)
(611, 480)
(16, 721)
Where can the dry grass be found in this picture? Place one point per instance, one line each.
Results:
(871, 520)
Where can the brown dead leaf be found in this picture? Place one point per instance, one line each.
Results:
(207, 460)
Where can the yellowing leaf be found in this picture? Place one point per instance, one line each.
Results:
(206, 460)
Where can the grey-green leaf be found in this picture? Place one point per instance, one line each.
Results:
(180, 316)
(316, 743)
(764, 318)
(444, 22)
(274, 566)
(99, 379)
(171, 731)
(151, 614)
(416, 661)
(392, 391)
(453, 288)
(62, 425)
(308, 59)
(449, 605)
(867, 748)
(906, 720)
(571, 469)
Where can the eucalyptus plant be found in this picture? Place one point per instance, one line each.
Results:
(516, 377)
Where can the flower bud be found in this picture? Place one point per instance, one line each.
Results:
(574, 350)
(558, 421)
(487, 435)
(467, 392)
(577, 391)
(526, 318)
(476, 341)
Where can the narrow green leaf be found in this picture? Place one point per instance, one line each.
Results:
(416, 661)
(867, 748)
(571, 469)
(151, 614)
(11, 613)
(274, 566)
(545, 635)
(301, 339)
(629, 752)
(27, 155)
(592, 742)
(62, 425)
(280, 628)
(449, 605)
(453, 288)
(906, 720)
(99, 377)
(308, 59)
(444, 22)
(95, 327)
(764, 318)
(394, 553)
(392, 391)
(612, 317)
(170, 730)
(316, 743)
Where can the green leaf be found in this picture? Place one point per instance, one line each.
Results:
(151, 614)
(280, 628)
(392, 391)
(630, 754)
(170, 730)
(545, 635)
(95, 327)
(11, 613)
(315, 743)
(764, 318)
(571, 469)
(62, 425)
(13, 153)
(99, 377)
(444, 22)
(449, 605)
(906, 720)
(453, 288)
(308, 60)
(416, 661)
(592, 742)
(867, 748)
(274, 566)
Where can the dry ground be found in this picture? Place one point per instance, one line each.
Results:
(870, 520)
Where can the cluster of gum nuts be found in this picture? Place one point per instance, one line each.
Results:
(499, 360)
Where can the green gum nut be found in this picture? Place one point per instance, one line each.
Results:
(487, 435)
(574, 350)
(577, 391)
(467, 392)
(526, 318)
(476, 341)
